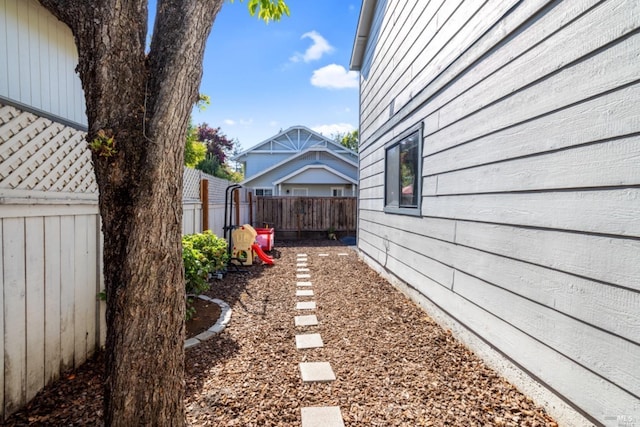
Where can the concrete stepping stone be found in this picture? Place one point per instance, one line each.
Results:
(316, 372)
(306, 305)
(343, 254)
(304, 293)
(323, 254)
(307, 320)
(321, 416)
(301, 264)
(301, 255)
(301, 270)
(303, 276)
(303, 284)
(309, 341)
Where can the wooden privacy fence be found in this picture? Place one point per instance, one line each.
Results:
(303, 214)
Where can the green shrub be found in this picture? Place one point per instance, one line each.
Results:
(196, 269)
(202, 253)
(212, 247)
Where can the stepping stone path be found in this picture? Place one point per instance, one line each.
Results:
(323, 416)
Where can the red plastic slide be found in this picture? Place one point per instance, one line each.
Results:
(264, 257)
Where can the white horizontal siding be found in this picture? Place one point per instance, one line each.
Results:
(38, 58)
(528, 234)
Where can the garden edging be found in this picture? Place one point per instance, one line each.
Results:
(223, 321)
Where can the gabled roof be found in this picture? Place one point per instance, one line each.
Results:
(293, 140)
(294, 157)
(308, 167)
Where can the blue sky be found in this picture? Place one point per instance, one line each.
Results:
(266, 77)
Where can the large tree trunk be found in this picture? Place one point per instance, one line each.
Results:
(143, 102)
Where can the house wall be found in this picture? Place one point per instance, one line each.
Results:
(317, 190)
(37, 61)
(528, 235)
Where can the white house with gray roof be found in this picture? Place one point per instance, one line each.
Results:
(300, 162)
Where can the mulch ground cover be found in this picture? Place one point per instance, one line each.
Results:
(394, 365)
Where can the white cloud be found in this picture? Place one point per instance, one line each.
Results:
(241, 122)
(314, 52)
(330, 130)
(334, 76)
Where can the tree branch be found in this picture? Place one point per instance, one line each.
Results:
(175, 59)
(69, 12)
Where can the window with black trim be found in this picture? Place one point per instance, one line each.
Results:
(264, 192)
(403, 173)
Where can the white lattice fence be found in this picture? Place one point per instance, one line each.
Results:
(39, 155)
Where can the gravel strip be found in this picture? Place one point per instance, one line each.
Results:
(394, 365)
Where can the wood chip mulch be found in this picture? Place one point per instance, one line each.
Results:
(394, 365)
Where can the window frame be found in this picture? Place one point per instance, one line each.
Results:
(263, 189)
(340, 189)
(399, 208)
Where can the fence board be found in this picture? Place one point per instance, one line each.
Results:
(34, 251)
(307, 213)
(52, 252)
(67, 302)
(15, 374)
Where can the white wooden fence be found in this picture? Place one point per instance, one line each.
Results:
(51, 251)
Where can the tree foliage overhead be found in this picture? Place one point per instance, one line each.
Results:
(138, 102)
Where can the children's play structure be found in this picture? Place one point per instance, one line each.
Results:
(244, 241)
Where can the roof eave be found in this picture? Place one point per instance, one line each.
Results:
(362, 34)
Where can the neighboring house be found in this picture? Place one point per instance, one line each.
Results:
(500, 185)
(300, 162)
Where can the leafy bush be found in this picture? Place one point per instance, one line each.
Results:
(202, 253)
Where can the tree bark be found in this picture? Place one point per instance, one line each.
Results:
(143, 102)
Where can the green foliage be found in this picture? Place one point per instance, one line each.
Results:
(194, 150)
(203, 102)
(348, 140)
(202, 253)
(103, 144)
(268, 10)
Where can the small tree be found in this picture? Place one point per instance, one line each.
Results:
(348, 139)
(219, 147)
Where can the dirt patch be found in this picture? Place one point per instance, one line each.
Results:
(206, 315)
(394, 365)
